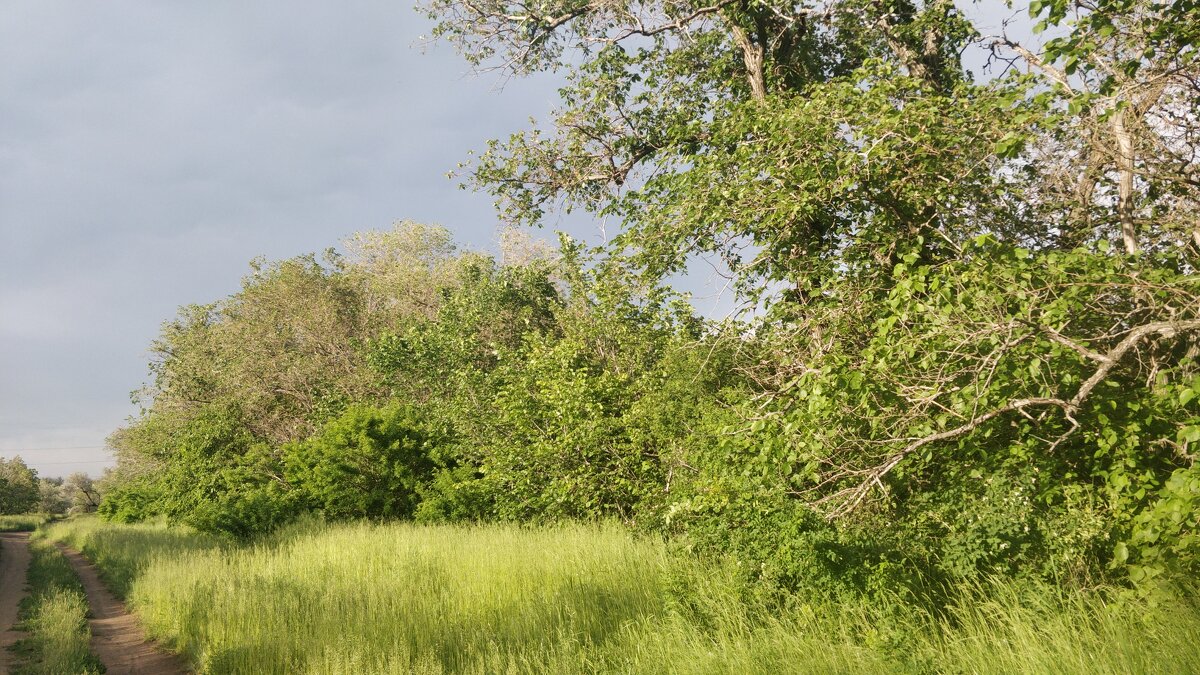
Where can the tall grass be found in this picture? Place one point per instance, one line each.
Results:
(55, 616)
(398, 596)
(26, 522)
(1014, 630)
(123, 551)
(582, 599)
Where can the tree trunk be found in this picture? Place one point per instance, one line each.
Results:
(752, 54)
(1125, 172)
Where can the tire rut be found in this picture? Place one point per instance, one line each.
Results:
(14, 568)
(118, 639)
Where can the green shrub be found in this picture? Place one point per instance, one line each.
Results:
(368, 462)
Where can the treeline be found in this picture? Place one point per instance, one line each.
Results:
(1000, 414)
(407, 378)
(22, 491)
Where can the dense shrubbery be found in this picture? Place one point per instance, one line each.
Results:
(537, 391)
(1003, 414)
(367, 462)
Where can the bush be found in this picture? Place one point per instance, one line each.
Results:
(369, 462)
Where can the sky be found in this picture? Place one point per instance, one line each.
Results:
(149, 150)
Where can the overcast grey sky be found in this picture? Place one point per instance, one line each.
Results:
(149, 150)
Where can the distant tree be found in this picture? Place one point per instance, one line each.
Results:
(19, 491)
(81, 491)
(51, 496)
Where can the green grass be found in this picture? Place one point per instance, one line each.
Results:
(581, 599)
(27, 522)
(123, 551)
(55, 616)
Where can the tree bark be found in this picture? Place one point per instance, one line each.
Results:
(752, 55)
(1125, 173)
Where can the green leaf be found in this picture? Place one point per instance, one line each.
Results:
(1121, 553)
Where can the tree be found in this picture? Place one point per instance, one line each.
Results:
(1122, 152)
(82, 492)
(50, 496)
(787, 132)
(804, 141)
(944, 319)
(369, 462)
(19, 489)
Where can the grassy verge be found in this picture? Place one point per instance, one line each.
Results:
(580, 599)
(23, 523)
(55, 616)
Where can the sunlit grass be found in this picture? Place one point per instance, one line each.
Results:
(26, 522)
(396, 595)
(122, 551)
(582, 599)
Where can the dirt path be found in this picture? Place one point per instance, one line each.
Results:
(117, 637)
(14, 565)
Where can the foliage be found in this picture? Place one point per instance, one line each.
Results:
(1005, 414)
(77, 493)
(19, 489)
(578, 425)
(974, 350)
(955, 373)
(1003, 411)
(369, 462)
(282, 348)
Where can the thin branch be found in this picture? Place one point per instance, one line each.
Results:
(852, 497)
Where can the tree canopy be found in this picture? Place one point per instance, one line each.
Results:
(800, 140)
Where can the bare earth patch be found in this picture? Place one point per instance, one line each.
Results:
(117, 638)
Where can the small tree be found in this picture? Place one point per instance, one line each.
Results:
(370, 462)
(52, 498)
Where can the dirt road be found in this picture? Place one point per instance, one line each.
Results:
(117, 637)
(14, 564)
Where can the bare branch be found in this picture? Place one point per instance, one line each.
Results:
(1035, 62)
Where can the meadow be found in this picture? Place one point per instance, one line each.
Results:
(399, 598)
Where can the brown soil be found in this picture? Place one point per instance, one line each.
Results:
(14, 565)
(117, 638)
